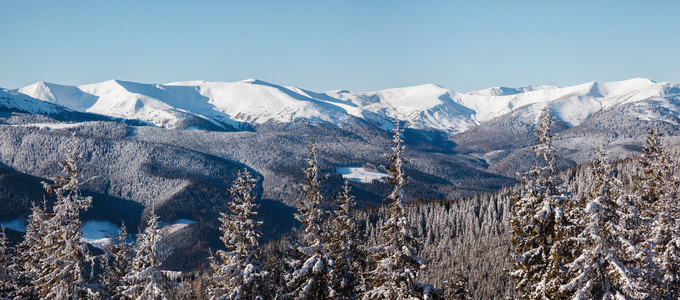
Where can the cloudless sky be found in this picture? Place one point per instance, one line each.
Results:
(326, 45)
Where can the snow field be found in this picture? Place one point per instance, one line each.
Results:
(359, 174)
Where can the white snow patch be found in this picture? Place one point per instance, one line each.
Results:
(16, 225)
(359, 174)
(185, 222)
(175, 226)
(51, 126)
(99, 233)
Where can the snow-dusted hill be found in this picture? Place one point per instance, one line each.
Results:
(232, 104)
(15, 101)
(571, 104)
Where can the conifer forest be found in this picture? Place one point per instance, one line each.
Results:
(601, 230)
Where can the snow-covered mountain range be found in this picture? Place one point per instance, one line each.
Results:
(232, 105)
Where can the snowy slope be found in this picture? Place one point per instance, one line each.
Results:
(505, 91)
(13, 100)
(68, 96)
(426, 106)
(571, 104)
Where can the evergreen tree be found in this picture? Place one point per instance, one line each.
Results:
(598, 272)
(396, 265)
(347, 249)
(144, 279)
(119, 266)
(542, 224)
(238, 275)
(60, 271)
(310, 277)
(30, 252)
(7, 278)
(658, 235)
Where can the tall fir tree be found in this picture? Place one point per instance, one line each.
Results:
(310, 276)
(238, 274)
(30, 252)
(656, 200)
(347, 248)
(598, 272)
(144, 279)
(542, 226)
(395, 262)
(60, 273)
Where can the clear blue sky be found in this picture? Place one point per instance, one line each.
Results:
(325, 45)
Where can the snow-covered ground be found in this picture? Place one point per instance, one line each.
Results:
(51, 126)
(359, 174)
(100, 234)
(174, 226)
(15, 224)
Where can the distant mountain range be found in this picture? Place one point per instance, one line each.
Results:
(234, 106)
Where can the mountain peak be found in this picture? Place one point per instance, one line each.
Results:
(257, 81)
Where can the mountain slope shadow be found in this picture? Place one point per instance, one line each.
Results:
(19, 191)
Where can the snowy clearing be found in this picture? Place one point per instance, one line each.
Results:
(99, 233)
(52, 126)
(174, 226)
(359, 174)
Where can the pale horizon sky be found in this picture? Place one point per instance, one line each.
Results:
(330, 45)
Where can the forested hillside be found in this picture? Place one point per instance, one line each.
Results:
(461, 248)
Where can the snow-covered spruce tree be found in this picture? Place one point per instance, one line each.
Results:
(7, 278)
(598, 272)
(238, 273)
(395, 263)
(144, 279)
(118, 265)
(310, 276)
(670, 257)
(60, 273)
(347, 248)
(656, 199)
(29, 254)
(541, 224)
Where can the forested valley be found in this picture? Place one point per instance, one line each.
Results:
(602, 230)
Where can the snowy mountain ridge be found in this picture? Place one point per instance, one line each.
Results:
(14, 100)
(426, 106)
